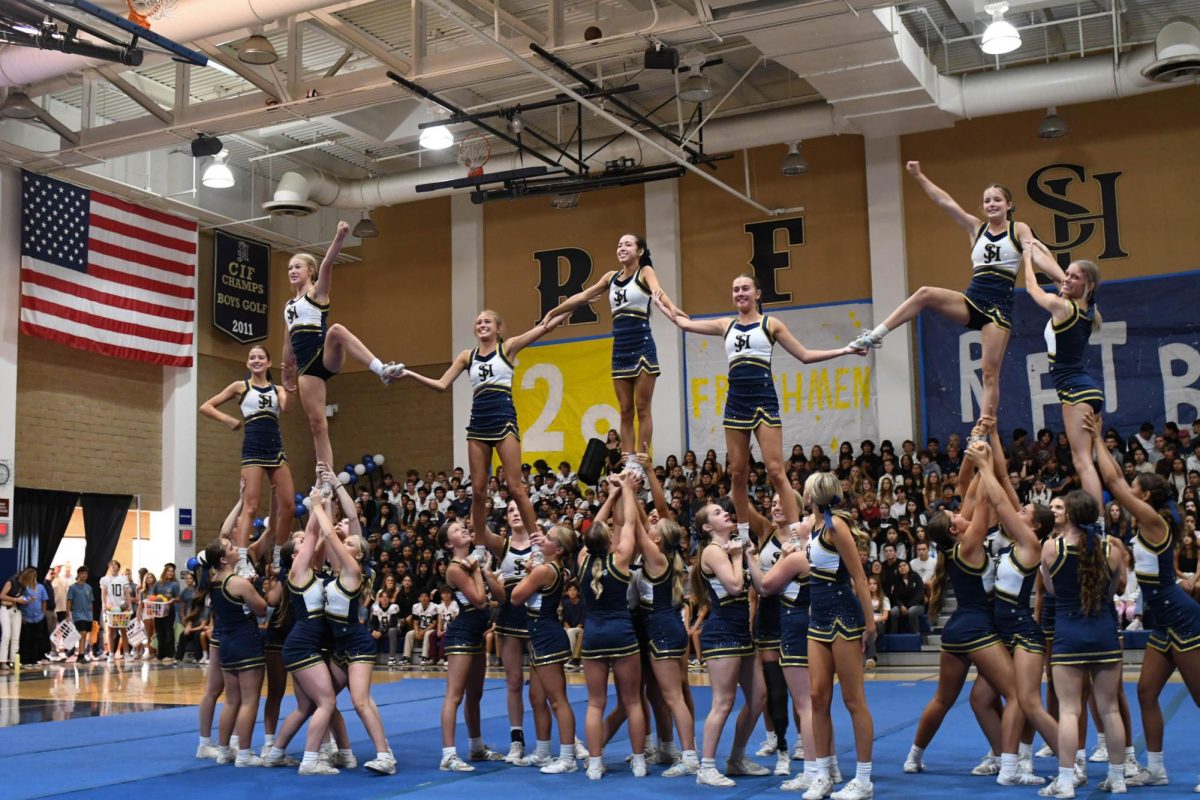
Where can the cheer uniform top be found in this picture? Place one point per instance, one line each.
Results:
(464, 634)
(726, 631)
(262, 444)
(1081, 638)
(493, 415)
(793, 621)
(751, 400)
(633, 350)
(609, 629)
(1066, 344)
(1014, 617)
(306, 327)
(547, 637)
(241, 643)
(766, 615)
(352, 642)
(972, 626)
(995, 258)
(1172, 616)
(310, 634)
(664, 625)
(514, 566)
(834, 610)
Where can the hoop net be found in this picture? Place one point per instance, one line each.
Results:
(142, 11)
(473, 152)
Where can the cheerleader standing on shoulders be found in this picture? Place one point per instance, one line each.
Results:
(470, 580)
(840, 625)
(1175, 636)
(609, 641)
(314, 351)
(263, 458)
(1083, 570)
(540, 592)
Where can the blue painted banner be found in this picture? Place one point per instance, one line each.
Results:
(1147, 356)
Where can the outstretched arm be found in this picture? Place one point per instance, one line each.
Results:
(943, 200)
(1153, 526)
(656, 289)
(707, 327)
(1051, 302)
(517, 343)
(448, 377)
(231, 521)
(801, 353)
(325, 273)
(588, 295)
(1043, 260)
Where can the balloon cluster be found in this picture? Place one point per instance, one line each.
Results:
(347, 477)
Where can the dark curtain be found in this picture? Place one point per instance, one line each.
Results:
(103, 517)
(40, 519)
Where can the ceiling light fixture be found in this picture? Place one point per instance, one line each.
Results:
(218, 175)
(257, 50)
(1000, 37)
(1053, 126)
(437, 137)
(18, 106)
(366, 227)
(793, 163)
(696, 87)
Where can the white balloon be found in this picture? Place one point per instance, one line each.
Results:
(344, 477)
(379, 459)
(360, 470)
(308, 503)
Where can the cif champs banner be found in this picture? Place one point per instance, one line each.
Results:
(825, 403)
(241, 286)
(564, 396)
(1147, 355)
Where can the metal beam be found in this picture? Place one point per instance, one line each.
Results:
(134, 94)
(362, 41)
(295, 58)
(555, 22)
(488, 10)
(341, 62)
(420, 36)
(252, 76)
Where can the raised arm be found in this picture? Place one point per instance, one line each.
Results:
(705, 327)
(1154, 528)
(209, 407)
(1051, 302)
(518, 343)
(993, 490)
(656, 490)
(971, 542)
(588, 295)
(345, 501)
(234, 513)
(351, 570)
(944, 201)
(325, 273)
(448, 377)
(1043, 260)
(792, 345)
(653, 556)
(999, 465)
(303, 560)
(624, 541)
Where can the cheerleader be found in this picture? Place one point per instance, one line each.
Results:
(1083, 570)
(214, 684)
(1173, 615)
(540, 592)
(634, 357)
(314, 351)
(987, 304)
(751, 405)
(235, 604)
(787, 579)
(609, 641)
(470, 580)
(263, 457)
(840, 626)
(1073, 319)
(279, 623)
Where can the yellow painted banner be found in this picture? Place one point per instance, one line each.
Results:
(564, 396)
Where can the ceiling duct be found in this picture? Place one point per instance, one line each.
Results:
(1176, 53)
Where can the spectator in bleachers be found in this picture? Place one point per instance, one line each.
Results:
(907, 597)
(882, 609)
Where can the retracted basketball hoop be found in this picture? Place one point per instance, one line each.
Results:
(473, 152)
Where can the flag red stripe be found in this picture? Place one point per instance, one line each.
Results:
(158, 216)
(127, 303)
(142, 234)
(104, 323)
(138, 282)
(126, 353)
(138, 257)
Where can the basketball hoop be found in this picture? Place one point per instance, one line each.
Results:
(473, 152)
(142, 11)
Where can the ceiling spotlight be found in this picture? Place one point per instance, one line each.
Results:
(1000, 37)
(257, 50)
(437, 137)
(1053, 126)
(18, 106)
(793, 163)
(218, 175)
(366, 228)
(515, 123)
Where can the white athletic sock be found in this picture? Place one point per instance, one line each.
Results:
(376, 366)
(234, 744)
(708, 763)
(566, 752)
(823, 764)
(345, 753)
(880, 331)
(595, 763)
(648, 742)
(383, 756)
(1066, 776)
(1116, 773)
(310, 757)
(1155, 760)
(1130, 753)
(476, 743)
(543, 748)
(863, 772)
(1008, 764)
(667, 747)
(205, 740)
(772, 738)
(1081, 755)
(916, 752)
(242, 551)
(275, 752)
(1024, 750)
(275, 555)
(743, 530)
(447, 752)
(268, 739)
(737, 753)
(222, 750)
(638, 760)
(810, 769)
(1100, 740)
(689, 756)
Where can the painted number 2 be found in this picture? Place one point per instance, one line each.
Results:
(539, 437)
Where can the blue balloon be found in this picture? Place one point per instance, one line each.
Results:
(370, 466)
(193, 563)
(299, 499)
(353, 478)
(259, 522)
(301, 511)
(348, 468)
(368, 460)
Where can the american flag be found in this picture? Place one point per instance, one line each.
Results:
(104, 275)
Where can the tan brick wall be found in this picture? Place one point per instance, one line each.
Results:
(88, 423)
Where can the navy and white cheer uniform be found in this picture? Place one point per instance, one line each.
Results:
(609, 629)
(1014, 617)
(262, 444)
(793, 622)
(766, 616)
(306, 327)
(1066, 345)
(996, 258)
(834, 609)
(1172, 616)
(514, 566)
(664, 625)
(352, 641)
(972, 626)
(1081, 638)
(465, 633)
(310, 636)
(547, 637)
(751, 400)
(493, 415)
(241, 642)
(633, 350)
(726, 631)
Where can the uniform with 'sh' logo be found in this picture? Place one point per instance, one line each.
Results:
(262, 444)
(513, 567)
(1066, 343)
(751, 400)
(766, 617)
(633, 347)
(306, 327)
(996, 259)
(493, 415)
